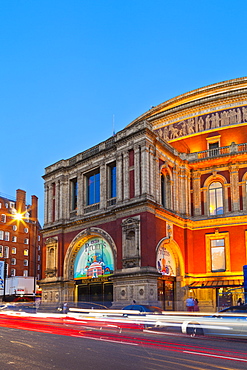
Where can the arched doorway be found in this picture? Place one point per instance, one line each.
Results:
(90, 263)
(169, 264)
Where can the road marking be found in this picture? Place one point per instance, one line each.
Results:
(110, 340)
(24, 344)
(217, 356)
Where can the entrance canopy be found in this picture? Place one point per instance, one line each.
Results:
(216, 284)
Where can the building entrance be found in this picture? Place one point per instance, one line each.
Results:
(99, 293)
(166, 293)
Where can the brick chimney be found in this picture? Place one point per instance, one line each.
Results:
(34, 207)
(20, 200)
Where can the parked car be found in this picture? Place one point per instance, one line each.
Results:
(235, 309)
(143, 308)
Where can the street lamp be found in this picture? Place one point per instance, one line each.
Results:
(20, 217)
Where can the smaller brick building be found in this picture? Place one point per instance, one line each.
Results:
(20, 245)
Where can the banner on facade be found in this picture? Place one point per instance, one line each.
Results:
(94, 259)
(1, 276)
(165, 262)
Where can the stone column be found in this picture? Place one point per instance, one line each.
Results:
(126, 176)
(197, 193)
(103, 186)
(119, 168)
(57, 200)
(137, 165)
(234, 188)
(152, 173)
(174, 189)
(80, 201)
(46, 202)
(144, 170)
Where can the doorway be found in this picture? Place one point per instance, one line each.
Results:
(166, 293)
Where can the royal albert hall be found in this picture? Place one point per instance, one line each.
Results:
(157, 212)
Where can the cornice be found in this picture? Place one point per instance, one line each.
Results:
(225, 87)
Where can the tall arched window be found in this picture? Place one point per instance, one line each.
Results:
(215, 199)
(166, 191)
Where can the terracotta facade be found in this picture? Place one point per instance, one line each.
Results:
(163, 205)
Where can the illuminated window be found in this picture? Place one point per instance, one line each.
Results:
(93, 188)
(13, 250)
(1, 251)
(25, 252)
(218, 252)
(218, 258)
(215, 199)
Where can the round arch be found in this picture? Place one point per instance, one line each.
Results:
(77, 243)
(173, 246)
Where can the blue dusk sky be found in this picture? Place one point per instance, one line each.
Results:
(71, 68)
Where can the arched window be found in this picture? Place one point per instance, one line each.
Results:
(166, 191)
(215, 199)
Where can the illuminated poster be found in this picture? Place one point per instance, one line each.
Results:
(94, 259)
(165, 262)
(1, 275)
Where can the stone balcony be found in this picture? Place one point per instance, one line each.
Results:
(233, 149)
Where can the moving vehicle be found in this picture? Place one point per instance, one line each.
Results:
(226, 323)
(143, 308)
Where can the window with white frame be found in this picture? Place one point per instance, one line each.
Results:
(14, 239)
(218, 257)
(12, 204)
(38, 257)
(14, 227)
(1, 235)
(39, 238)
(38, 267)
(215, 198)
(26, 230)
(13, 250)
(6, 236)
(218, 252)
(25, 262)
(6, 252)
(26, 241)
(25, 252)
(6, 205)
(12, 272)
(1, 251)
(13, 261)
(25, 273)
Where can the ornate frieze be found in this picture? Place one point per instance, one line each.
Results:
(202, 123)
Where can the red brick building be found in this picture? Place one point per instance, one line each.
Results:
(161, 207)
(20, 244)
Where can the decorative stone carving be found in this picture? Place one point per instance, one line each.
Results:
(131, 242)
